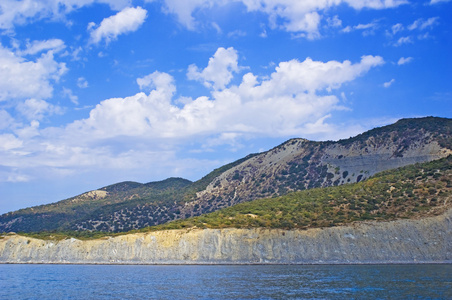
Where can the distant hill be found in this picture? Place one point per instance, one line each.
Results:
(295, 165)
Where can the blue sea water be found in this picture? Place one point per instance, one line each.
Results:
(226, 282)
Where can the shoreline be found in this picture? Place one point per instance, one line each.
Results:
(449, 262)
(418, 241)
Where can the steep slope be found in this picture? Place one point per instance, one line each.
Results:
(295, 165)
(61, 215)
(415, 191)
(402, 241)
(118, 207)
(300, 164)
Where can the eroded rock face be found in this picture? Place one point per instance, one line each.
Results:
(300, 164)
(403, 241)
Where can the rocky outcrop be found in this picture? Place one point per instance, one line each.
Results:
(427, 240)
(300, 164)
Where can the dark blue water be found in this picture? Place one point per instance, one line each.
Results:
(226, 282)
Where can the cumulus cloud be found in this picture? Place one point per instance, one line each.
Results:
(145, 129)
(21, 78)
(301, 17)
(157, 80)
(36, 109)
(219, 71)
(404, 60)
(282, 104)
(19, 12)
(125, 21)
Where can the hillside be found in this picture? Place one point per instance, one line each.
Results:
(107, 200)
(415, 191)
(295, 165)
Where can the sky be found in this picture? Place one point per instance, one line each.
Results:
(95, 92)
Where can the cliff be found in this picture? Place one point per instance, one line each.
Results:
(427, 240)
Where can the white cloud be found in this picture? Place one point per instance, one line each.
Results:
(36, 109)
(312, 75)
(19, 12)
(6, 120)
(145, 129)
(375, 4)
(389, 83)
(35, 47)
(367, 29)
(76, 53)
(184, 9)
(69, 94)
(127, 20)
(403, 40)
(432, 2)
(18, 178)
(82, 83)
(219, 71)
(236, 33)
(9, 141)
(422, 24)
(334, 22)
(279, 105)
(162, 82)
(404, 60)
(20, 78)
(217, 27)
(302, 17)
(397, 28)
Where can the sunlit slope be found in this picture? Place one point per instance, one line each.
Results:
(295, 165)
(409, 192)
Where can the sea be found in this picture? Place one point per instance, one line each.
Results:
(225, 281)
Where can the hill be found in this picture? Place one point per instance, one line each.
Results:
(415, 191)
(295, 165)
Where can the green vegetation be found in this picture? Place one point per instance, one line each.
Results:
(62, 235)
(408, 192)
(130, 205)
(416, 190)
(62, 215)
(440, 130)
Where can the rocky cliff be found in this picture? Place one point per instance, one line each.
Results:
(427, 240)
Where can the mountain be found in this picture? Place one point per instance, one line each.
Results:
(295, 165)
(333, 225)
(412, 192)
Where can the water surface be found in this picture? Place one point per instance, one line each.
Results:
(226, 282)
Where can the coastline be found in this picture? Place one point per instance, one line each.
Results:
(422, 241)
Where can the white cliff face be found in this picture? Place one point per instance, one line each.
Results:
(403, 241)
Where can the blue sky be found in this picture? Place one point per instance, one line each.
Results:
(97, 92)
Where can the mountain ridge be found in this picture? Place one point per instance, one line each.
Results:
(294, 165)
